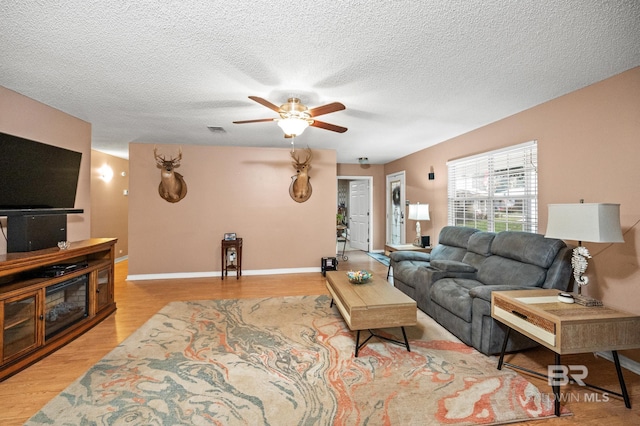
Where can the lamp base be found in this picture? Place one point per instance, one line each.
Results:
(579, 264)
(418, 240)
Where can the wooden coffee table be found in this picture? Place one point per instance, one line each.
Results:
(373, 305)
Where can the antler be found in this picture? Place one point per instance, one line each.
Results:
(295, 162)
(159, 159)
(309, 156)
(306, 161)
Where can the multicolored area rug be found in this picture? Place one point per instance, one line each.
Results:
(290, 361)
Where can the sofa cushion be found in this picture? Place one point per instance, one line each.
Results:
(498, 270)
(452, 243)
(479, 248)
(456, 236)
(409, 272)
(480, 243)
(527, 247)
(452, 266)
(453, 295)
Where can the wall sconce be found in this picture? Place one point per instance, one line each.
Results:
(106, 173)
(432, 175)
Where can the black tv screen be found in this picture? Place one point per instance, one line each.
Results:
(35, 175)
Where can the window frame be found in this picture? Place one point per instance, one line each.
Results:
(495, 190)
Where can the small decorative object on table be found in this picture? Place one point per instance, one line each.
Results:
(63, 245)
(586, 301)
(359, 277)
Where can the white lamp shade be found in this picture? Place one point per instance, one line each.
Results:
(591, 222)
(293, 126)
(419, 211)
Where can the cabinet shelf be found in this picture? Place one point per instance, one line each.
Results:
(16, 314)
(9, 325)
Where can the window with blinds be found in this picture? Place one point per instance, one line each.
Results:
(495, 191)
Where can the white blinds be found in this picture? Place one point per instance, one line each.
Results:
(496, 190)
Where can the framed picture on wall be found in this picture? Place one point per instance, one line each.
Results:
(230, 236)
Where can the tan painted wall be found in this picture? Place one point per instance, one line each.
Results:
(109, 205)
(30, 119)
(376, 171)
(230, 189)
(588, 147)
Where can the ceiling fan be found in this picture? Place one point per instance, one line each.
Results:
(295, 116)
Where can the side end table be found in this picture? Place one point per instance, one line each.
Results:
(566, 329)
(226, 246)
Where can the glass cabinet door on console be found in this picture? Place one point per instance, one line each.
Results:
(104, 289)
(20, 325)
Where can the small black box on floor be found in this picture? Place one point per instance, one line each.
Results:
(328, 264)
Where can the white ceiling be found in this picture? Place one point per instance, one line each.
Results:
(411, 73)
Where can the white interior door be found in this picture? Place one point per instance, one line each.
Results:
(395, 208)
(359, 214)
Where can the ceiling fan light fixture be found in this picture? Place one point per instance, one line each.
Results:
(293, 126)
(295, 116)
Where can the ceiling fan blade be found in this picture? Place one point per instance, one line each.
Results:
(326, 109)
(265, 102)
(327, 126)
(260, 120)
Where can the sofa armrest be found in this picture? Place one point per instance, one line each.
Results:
(484, 291)
(398, 256)
(452, 266)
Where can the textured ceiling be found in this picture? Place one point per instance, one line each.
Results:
(411, 73)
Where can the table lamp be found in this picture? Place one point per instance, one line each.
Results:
(590, 222)
(418, 212)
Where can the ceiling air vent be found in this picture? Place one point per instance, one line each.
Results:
(217, 129)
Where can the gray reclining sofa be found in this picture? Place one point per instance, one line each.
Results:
(453, 283)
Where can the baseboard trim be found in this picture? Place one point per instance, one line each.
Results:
(209, 274)
(625, 362)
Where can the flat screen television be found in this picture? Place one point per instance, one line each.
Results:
(38, 184)
(36, 177)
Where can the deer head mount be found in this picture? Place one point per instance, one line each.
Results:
(172, 185)
(300, 188)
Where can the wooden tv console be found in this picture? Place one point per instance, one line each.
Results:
(30, 329)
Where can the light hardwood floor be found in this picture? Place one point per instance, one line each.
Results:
(25, 393)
